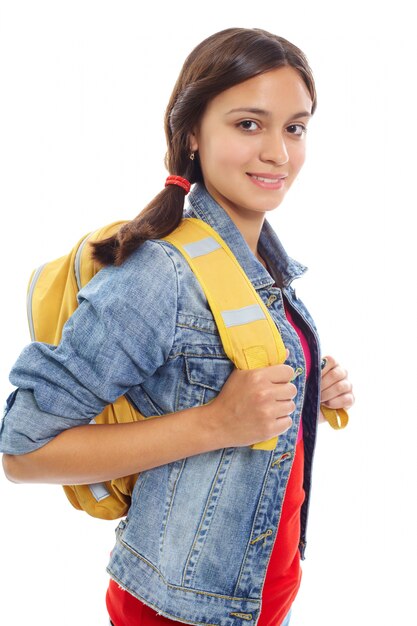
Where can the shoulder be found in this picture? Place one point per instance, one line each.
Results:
(151, 269)
(153, 255)
(158, 259)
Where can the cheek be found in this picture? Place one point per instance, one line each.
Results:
(297, 158)
(223, 151)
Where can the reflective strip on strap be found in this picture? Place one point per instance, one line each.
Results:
(204, 246)
(99, 491)
(245, 315)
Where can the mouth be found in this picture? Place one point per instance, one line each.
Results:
(275, 181)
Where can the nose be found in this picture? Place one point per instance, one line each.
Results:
(274, 149)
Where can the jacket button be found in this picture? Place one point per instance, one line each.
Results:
(282, 458)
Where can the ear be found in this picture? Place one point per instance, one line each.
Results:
(193, 141)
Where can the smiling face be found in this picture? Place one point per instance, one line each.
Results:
(245, 152)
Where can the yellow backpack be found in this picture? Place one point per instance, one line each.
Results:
(249, 335)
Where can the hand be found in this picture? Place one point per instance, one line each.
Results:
(336, 389)
(253, 405)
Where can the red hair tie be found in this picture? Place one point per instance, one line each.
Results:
(180, 181)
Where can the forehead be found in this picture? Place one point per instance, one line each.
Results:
(281, 89)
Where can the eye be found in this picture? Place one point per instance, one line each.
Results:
(246, 125)
(301, 129)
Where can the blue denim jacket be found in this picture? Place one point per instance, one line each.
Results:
(196, 542)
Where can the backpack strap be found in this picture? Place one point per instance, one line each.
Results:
(249, 335)
(337, 418)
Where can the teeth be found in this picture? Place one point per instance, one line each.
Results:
(266, 180)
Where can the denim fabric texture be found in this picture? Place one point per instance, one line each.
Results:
(197, 540)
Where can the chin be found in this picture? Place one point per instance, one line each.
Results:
(273, 205)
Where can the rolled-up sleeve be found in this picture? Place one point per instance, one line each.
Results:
(121, 332)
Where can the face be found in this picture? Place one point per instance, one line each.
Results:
(245, 153)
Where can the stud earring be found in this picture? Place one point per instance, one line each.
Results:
(192, 156)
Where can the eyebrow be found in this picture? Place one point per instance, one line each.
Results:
(266, 113)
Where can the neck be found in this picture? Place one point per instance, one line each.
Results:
(249, 223)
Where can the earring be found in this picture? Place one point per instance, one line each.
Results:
(192, 156)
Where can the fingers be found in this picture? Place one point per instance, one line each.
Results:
(339, 388)
(280, 373)
(336, 389)
(332, 373)
(283, 424)
(345, 401)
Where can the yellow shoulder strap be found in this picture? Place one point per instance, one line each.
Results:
(249, 335)
(337, 418)
(239, 312)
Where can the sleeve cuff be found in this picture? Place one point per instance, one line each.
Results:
(25, 427)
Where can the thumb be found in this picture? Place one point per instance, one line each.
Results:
(287, 354)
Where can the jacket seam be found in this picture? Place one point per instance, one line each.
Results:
(198, 328)
(148, 603)
(255, 517)
(200, 355)
(203, 518)
(164, 248)
(171, 503)
(180, 588)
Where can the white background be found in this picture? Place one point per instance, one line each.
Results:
(83, 90)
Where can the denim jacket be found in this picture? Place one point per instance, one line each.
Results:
(197, 539)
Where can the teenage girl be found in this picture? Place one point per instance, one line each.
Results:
(216, 529)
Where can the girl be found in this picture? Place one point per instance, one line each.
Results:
(215, 530)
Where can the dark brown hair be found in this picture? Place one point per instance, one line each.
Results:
(221, 61)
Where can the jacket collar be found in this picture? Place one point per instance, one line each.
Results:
(284, 269)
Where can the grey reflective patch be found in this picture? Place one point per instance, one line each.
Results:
(99, 491)
(245, 315)
(204, 246)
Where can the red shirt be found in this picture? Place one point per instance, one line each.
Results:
(283, 575)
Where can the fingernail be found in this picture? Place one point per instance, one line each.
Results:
(323, 363)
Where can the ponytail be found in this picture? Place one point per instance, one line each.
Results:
(159, 218)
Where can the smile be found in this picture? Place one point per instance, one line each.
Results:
(268, 183)
(265, 180)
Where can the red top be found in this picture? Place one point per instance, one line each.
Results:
(283, 575)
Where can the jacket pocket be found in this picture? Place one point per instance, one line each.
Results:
(205, 370)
